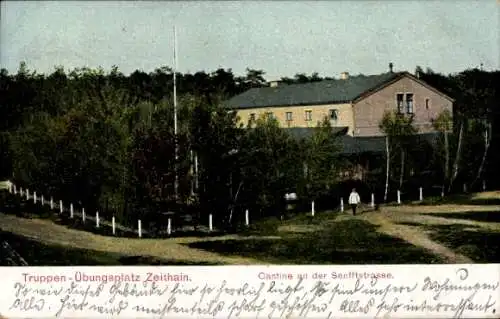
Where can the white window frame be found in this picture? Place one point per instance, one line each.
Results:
(308, 115)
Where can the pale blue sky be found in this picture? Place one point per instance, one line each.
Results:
(282, 38)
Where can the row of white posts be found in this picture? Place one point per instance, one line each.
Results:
(13, 189)
(313, 211)
(372, 204)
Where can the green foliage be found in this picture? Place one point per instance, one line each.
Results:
(270, 162)
(397, 126)
(322, 162)
(400, 133)
(108, 140)
(444, 122)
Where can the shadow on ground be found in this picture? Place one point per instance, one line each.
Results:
(38, 254)
(485, 216)
(480, 245)
(344, 242)
(459, 199)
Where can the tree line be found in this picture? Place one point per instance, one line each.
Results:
(106, 141)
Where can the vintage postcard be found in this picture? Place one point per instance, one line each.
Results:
(249, 159)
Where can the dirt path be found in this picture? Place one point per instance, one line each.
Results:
(47, 232)
(414, 236)
(391, 220)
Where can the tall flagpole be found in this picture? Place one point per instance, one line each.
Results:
(176, 183)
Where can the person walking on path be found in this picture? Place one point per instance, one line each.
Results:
(354, 200)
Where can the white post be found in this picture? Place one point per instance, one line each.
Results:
(247, 218)
(60, 206)
(83, 214)
(10, 187)
(51, 203)
(399, 196)
(34, 197)
(71, 211)
(169, 226)
(97, 219)
(43, 201)
(210, 226)
(484, 186)
(421, 197)
(113, 225)
(341, 204)
(312, 208)
(465, 188)
(21, 191)
(27, 194)
(373, 200)
(196, 172)
(139, 228)
(15, 189)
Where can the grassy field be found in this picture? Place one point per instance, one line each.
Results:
(445, 232)
(38, 253)
(336, 241)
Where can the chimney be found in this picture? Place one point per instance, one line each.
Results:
(390, 67)
(344, 75)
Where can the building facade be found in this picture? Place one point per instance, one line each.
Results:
(356, 103)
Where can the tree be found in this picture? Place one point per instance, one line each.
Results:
(215, 140)
(399, 130)
(107, 139)
(269, 164)
(321, 161)
(255, 78)
(443, 124)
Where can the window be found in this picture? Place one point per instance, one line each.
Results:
(409, 103)
(251, 118)
(399, 99)
(333, 115)
(289, 116)
(308, 115)
(427, 104)
(269, 115)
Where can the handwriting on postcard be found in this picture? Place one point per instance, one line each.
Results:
(315, 295)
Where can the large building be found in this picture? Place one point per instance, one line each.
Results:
(354, 105)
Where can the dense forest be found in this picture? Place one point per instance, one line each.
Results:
(106, 141)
